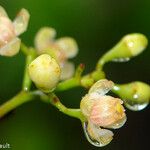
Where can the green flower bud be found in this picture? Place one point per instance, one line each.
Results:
(45, 72)
(129, 46)
(134, 94)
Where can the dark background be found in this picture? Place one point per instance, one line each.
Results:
(96, 25)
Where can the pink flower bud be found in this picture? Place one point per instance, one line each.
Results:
(103, 110)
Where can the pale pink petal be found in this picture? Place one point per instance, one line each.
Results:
(101, 87)
(97, 136)
(3, 12)
(67, 70)
(21, 21)
(68, 45)
(11, 48)
(44, 37)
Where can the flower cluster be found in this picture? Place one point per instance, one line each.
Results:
(61, 49)
(101, 110)
(48, 63)
(9, 31)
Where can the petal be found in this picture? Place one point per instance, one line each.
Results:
(3, 12)
(43, 37)
(67, 70)
(68, 45)
(97, 136)
(21, 21)
(101, 87)
(11, 49)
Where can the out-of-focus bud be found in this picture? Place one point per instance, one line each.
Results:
(97, 136)
(129, 46)
(136, 95)
(68, 45)
(43, 38)
(9, 42)
(45, 72)
(61, 49)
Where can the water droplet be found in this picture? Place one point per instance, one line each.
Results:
(121, 59)
(119, 124)
(106, 136)
(136, 106)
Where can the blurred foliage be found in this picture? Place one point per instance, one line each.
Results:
(96, 25)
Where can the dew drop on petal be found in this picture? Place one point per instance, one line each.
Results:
(106, 136)
(136, 106)
(119, 124)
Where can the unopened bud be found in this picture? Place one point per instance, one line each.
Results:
(45, 72)
(134, 94)
(129, 46)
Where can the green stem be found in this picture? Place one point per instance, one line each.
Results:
(85, 81)
(16, 101)
(26, 80)
(68, 84)
(54, 100)
(24, 49)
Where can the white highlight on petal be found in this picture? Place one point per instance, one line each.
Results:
(67, 70)
(11, 48)
(21, 21)
(68, 45)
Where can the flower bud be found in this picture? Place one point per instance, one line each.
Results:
(68, 45)
(102, 110)
(129, 46)
(45, 72)
(134, 93)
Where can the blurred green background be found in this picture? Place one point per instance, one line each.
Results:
(96, 25)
